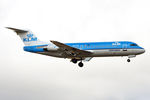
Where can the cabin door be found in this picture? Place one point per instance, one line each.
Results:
(124, 47)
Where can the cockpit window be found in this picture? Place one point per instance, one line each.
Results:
(133, 44)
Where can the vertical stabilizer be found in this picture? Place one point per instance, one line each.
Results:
(27, 37)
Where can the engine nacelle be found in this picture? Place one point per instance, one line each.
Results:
(50, 48)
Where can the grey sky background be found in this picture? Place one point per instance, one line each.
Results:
(27, 76)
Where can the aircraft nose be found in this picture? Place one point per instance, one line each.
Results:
(142, 50)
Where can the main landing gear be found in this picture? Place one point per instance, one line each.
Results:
(74, 61)
(80, 64)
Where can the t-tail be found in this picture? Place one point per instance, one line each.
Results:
(27, 37)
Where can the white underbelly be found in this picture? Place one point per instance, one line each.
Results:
(96, 53)
(114, 52)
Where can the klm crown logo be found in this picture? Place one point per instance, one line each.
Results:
(30, 37)
(116, 43)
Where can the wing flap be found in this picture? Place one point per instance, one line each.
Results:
(70, 49)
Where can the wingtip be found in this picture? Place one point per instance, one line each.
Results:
(52, 41)
(8, 27)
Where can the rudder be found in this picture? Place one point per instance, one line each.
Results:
(27, 37)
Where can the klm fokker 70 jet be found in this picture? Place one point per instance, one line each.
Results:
(78, 52)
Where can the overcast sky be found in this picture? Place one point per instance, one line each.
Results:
(27, 76)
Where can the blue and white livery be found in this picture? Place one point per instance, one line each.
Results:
(78, 52)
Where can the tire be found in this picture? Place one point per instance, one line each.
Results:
(80, 64)
(128, 60)
(74, 61)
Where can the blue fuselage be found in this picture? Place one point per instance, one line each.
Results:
(119, 48)
(105, 45)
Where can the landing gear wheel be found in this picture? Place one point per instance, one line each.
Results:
(128, 60)
(74, 61)
(80, 64)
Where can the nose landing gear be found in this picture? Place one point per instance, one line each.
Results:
(128, 60)
(130, 56)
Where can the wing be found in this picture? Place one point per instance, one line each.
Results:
(71, 50)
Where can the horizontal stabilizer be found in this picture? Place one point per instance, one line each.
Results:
(17, 30)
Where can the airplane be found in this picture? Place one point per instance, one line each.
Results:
(78, 52)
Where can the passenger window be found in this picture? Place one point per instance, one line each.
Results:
(133, 44)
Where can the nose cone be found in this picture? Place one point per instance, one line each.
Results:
(142, 51)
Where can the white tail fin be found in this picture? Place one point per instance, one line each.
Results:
(27, 37)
